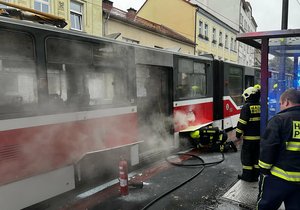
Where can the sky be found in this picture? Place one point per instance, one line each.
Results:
(267, 13)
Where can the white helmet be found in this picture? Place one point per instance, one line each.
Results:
(248, 92)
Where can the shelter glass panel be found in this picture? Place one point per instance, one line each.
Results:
(283, 69)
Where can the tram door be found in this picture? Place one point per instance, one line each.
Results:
(154, 107)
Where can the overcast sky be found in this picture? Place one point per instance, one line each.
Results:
(267, 13)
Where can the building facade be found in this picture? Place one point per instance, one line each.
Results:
(81, 15)
(248, 56)
(191, 19)
(226, 11)
(128, 27)
(237, 17)
(178, 15)
(215, 37)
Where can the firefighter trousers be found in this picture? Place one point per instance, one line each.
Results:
(273, 191)
(249, 159)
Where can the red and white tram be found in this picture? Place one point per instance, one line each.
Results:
(72, 104)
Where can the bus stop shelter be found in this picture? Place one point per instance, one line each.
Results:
(280, 51)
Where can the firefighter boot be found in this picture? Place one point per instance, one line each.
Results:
(247, 176)
(232, 146)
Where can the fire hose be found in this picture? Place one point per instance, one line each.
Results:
(202, 164)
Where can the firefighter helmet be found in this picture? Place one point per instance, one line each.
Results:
(257, 86)
(195, 134)
(249, 91)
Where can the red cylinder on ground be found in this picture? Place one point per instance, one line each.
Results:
(123, 177)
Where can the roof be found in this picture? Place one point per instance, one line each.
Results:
(186, 1)
(131, 18)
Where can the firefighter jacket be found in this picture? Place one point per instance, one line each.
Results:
(249, 122)
(280, 145)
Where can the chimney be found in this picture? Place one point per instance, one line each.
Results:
(108, 4)
(131, 13)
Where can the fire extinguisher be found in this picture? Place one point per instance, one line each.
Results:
(123, 176)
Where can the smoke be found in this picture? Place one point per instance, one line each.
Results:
(156, 135)
(72, 85)
(182, 120)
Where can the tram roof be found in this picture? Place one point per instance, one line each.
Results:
(37, 26)
(280, 41)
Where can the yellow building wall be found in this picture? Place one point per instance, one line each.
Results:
(92, 13)
(146, 38)
(205, 46)
(175, 14)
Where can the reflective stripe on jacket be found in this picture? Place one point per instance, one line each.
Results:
(249, 122)
(280, 145)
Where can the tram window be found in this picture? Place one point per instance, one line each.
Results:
(101, 88)
(68, 51)
(18, 82)
(111, 65)
(257, 77)
(67, 86)
(249, 81)
(235, 84)
(15, 45)
(186, 66)
(96, 81)
(191, 79)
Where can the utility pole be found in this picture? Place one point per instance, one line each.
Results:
(285, 13)
(282, 62)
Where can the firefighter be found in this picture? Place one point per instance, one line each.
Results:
(279, 159)
(213, 138)
(248, 129)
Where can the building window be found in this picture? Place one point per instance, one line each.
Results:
(231, 44)
(226, 41)
(235, 44)
(242, 20)
(206, 31)
(214, 31)
(42, 5)
(220, 39)
(76, 15)
(134, 41)
(200, 29)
